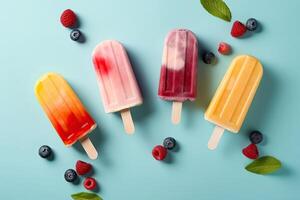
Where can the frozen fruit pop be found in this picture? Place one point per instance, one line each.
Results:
(118, 86)
(65, 111)
(178, 75)
(229, 106)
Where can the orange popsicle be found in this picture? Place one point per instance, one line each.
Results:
(229, 106)
(65, 111)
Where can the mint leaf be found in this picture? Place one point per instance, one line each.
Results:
(264, 165)
(217, 8)
(86, 196)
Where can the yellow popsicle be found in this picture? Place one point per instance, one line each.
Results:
(231, 102)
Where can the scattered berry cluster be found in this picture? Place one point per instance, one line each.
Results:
(239, 29)
(159, 152)
(210, 58)
(251, 151)
(69, 20)
(82, 169)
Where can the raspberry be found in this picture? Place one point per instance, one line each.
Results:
(251, 151)
(159, 152)
(83, 168)
(90, 183)
(68, 18)
(224, 48)
(238, 29)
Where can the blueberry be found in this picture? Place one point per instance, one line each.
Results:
(208, 57)
(251, 24)
(75, 34)
(255, 137)
(70, 175)
(169, 143)
(45, 151)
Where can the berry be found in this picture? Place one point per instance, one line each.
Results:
(224, 48)
(45, 151)
(68, 18)
(159, 152)
(90, 183)
(251, 151)
(251, 24)
(83, 168)
(208, 57)
(238, 29)
(255, 137)
(70, 175)
(75, 34)
(169, 143)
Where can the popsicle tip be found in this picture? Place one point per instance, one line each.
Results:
(42, 78)
(46, 75)
(251, 57)
(99, 45)
(182, 29)
(174, 31)
(258, 64)
(102, 45)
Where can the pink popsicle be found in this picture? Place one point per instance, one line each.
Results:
(118, 86)
(178, 76)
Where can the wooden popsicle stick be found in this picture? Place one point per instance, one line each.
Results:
(176, 112)
(127, 121)
(89, 148)
(215, 138)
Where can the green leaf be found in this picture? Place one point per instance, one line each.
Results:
(85, 196)
(264, 165)
(217, 8)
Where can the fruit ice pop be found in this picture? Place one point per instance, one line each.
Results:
(65, 111)
(178, 75)
(229, 106)
(118, 86)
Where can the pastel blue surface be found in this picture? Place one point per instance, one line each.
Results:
(34, 42)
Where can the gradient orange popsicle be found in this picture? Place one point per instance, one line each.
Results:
(64, 109)
(234, 96)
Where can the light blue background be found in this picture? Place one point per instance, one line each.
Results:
(34, 42)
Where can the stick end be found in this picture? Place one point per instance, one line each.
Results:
(176, 112)
(89, 148)
(93, 156)
(211, 146)
(130, 130)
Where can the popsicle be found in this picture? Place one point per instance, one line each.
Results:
(178, 75)
(229, 106)
(118, 86)
(65, 111)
